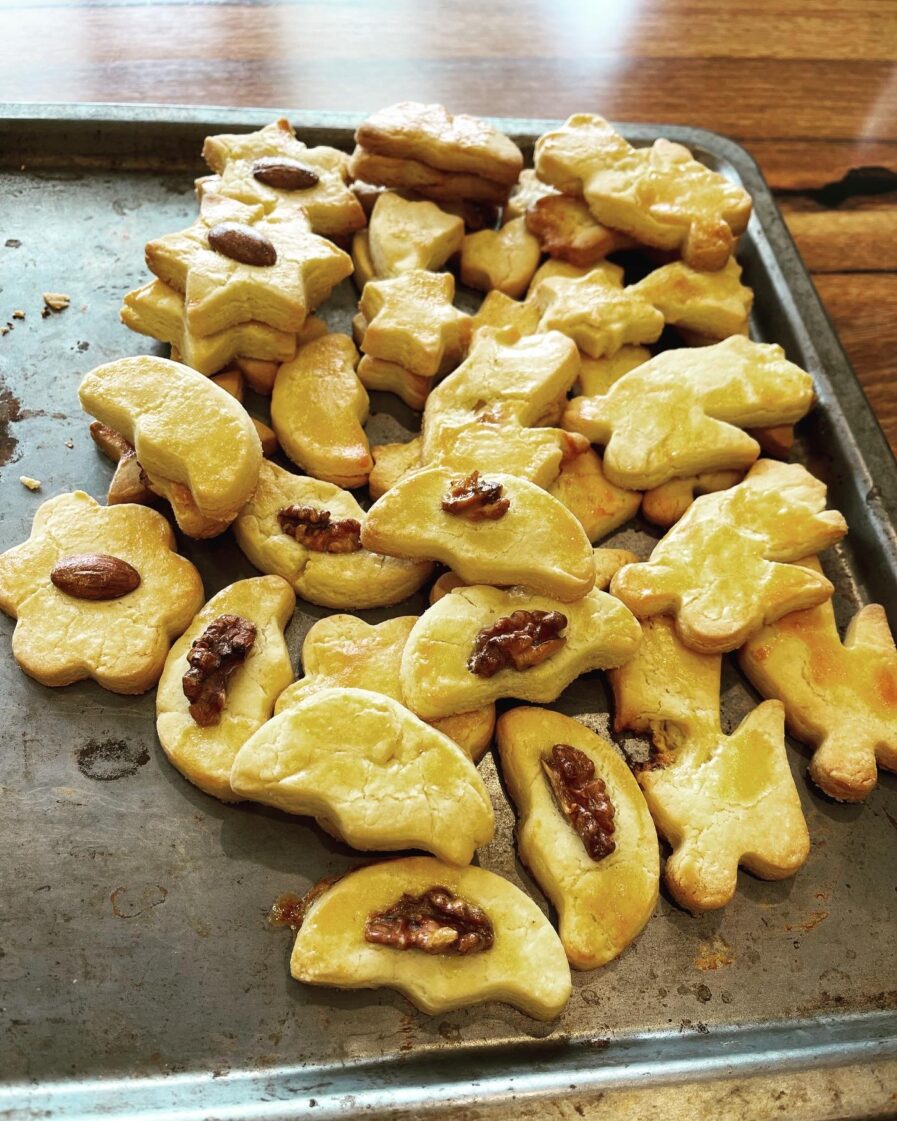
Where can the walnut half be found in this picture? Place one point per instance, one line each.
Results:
(314, 529)
(220, 650)
(582, 798)
(519, 641)
(475, 499)
(436, 922)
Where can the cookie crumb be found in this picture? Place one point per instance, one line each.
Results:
(70, 443)
(55, 301)
(18, 314)
(5, 330)
(12, 243)
(31, 484)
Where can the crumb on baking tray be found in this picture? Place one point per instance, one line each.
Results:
(18, 314)
(31, 484)
(55, 301)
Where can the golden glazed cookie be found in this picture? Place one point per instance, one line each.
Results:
(272, 168)
(342, 650)
(840, 698)
(598, 505)
(184, 429)
(231, 380)
(719, 800)
(98, 592)
(565, 228)
(389, 377)
(316, 545)
(502, 260)
(405, 235)
(429, 182)
(535, 541)
(665, 505)
(332, 948)
(318, 409)
(362, 262)
(431, 135)
(234, 266)
(391, 463)
(597, 375)
(723, 570)
(661, 195)
(410, 321)
(683, 412)
(594, 632)
(528, 189)
(713, 305)
(204, 752)
(552, 268)
(158, 311)
(419, 788)
(585, 832)
(499, 311)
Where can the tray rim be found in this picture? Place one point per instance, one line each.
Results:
(371, 1085)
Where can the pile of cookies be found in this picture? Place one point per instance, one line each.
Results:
(547, 422)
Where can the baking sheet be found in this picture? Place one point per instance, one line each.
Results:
(138, 972)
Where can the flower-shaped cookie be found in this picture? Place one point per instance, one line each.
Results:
(98, 591)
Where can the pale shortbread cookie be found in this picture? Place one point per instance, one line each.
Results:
(598, 505)
(220, 292)
(665, 505)
(205, 754)
(433, 136)
(410, 321)
(536, 542)
(344, 580)
(184, 429)
(661, 195)
(343, 650)
(602, 904)
(723, 570)
(318, 409)
(597, 375)
(565, 228)
(713, 305)
(331, 949)
(231, 380)
(684, 411)
(527, 190)
(332, 209)
(502, 260)
(391, 463)
(429, 182)
(158, 311)
(120, 642)
(437, 680)
(597, 314)
(362, 262)
(404, 235)
(840, 698)
(390, 377)
(554, 268)
(719, 800)
(499, 311)
(371, 772)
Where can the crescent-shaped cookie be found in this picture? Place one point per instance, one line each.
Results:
(525, 966)
(369, 771)
(342, 579)
(204, 754)
(602, 903)
(184, 428)
(536, 542)
(343, 650)
(598, 632)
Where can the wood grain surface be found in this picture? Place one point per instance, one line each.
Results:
(808, 86)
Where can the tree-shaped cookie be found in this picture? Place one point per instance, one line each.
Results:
(839, 697)
(683, 412)
(660, 195)
(723, 570)
(721, 801)
(343, 650)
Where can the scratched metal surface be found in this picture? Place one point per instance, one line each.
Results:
(134, 943)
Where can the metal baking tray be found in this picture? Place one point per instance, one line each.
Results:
(138, 974)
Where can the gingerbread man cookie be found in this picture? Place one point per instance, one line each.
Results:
(585, 832)
(472, 937)
(98, 592)
(420, 789)
(723, 570)
(839, 697)
(221, 680)
(719, 800)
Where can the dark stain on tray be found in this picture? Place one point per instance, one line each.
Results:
(10, 411)
(108, 760)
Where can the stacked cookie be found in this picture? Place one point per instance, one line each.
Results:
(547, 422)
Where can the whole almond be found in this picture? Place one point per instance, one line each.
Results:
(242, 243)
(284, 173)
(95, 576)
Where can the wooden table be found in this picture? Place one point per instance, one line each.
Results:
(808, 86)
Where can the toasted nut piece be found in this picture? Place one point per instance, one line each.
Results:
(242, 243)
(284, 174)
(95, 576)
(436, 921)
